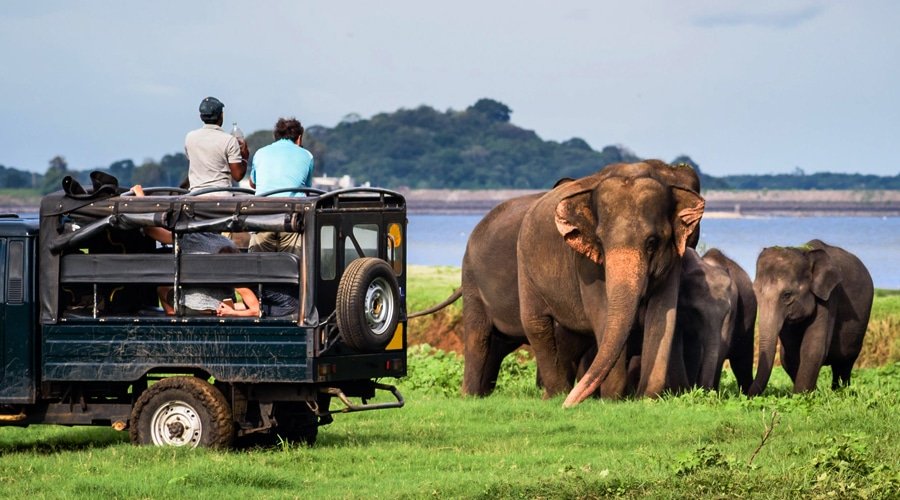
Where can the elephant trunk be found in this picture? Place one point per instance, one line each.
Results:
(770, 323)
(626, 274)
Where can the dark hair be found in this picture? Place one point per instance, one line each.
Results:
(288, 128)
(211, 119)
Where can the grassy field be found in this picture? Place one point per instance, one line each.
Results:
(512, 444)
(840, 444)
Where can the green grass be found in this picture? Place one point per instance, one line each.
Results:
(429, 285)
(508, 445)
(886, 303)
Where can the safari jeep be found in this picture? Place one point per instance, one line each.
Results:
(83, 340)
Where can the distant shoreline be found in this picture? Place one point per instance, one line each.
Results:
(719, 204)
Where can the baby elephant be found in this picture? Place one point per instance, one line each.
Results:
(716, 319)
(817, 300)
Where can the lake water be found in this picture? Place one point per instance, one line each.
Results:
(440, 240)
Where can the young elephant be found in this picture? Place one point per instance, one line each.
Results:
(740, 354)
(817, 300)
(705, 318)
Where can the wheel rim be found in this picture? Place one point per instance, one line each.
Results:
(176, 423)
(379, 306)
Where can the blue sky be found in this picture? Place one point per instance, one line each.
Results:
(743, 87)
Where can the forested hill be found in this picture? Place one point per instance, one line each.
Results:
(477, 148)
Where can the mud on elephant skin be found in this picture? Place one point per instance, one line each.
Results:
(590, 254)
(816, 300)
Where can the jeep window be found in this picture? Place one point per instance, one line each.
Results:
(3, 266)
(327, 257)
(15, 287)
(362, 242)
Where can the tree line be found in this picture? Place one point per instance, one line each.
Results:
(476, 148)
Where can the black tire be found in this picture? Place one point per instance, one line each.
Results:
(368, 304)
(182, 411)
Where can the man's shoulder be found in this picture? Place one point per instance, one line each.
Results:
(304, 153)
(208, 133)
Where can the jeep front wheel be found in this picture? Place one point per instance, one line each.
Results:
(182, 411)
(368, 304)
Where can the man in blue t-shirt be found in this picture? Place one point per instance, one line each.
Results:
(280, 165)
(284, 163)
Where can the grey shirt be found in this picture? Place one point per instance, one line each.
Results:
(210, 150)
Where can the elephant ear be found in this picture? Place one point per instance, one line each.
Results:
(576, 222)
(824, 274)
(688, 211)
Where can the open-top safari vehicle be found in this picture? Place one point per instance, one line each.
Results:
(83, 340)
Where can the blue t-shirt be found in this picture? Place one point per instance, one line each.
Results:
(280, 165)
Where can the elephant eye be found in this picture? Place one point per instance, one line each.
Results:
(787, 295)
(651, 244)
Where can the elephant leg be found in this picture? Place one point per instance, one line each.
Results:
(710, 366)
(790, 355)
(499, 347)
(477, 332)
(634, 373)
(616, 382)
(740, 356)
(679, 379)
(840, 374)
(540, 330)
(556, 373)
(693, 353)
(813, 349)
(573, 349)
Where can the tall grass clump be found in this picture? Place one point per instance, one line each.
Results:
(882, 343)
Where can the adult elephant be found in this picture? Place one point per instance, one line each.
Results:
(740, 352)
(816, 299)
(590, 254)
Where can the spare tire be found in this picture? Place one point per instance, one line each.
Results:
(368, 304)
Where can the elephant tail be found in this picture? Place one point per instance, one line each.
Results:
(433, 309)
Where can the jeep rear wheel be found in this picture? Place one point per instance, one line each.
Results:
(368, 304)
(182, 411)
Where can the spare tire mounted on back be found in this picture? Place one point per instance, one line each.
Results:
(368, 304)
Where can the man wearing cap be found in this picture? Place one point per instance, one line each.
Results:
(216, 157)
